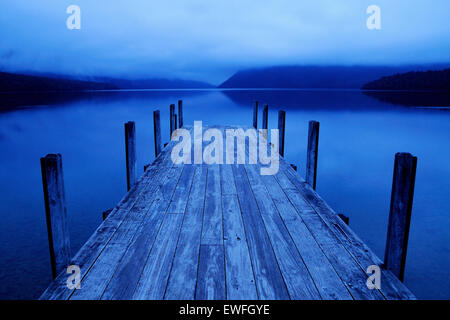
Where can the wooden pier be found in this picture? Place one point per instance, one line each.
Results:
(198, 231)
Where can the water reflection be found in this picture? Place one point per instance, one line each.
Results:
(358, 139)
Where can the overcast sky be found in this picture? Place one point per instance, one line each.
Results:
(211, 39)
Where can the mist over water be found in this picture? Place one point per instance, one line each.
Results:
(359, 137)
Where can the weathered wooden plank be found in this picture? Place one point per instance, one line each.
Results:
(126, 276)
(180, 197)
(269, 281)
(391, 287)
(152, 283)
(96, 244)
(344, 264)
(400, 213)
(87, 255)
(312, 153)
(130, 153)
(212, 232)
(292, 215)
(183, 276)
(327, 281)
(238, 267)
(296, 276)
(211, 273)
(56, 212)
(104, 268)
(227, 180)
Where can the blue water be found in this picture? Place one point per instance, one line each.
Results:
(358, 139)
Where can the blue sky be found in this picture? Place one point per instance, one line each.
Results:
(211, 39)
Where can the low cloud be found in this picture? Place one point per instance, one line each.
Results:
(209, 40)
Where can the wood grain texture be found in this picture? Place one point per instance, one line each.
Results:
(157, 132)
(269, 281)
(90, 251)
(312, 153)
(130, 153)
(211, 273)
(240, 280)
(183, 276)
(212, 232)
(281, 130)
(153, 281)
(56, 212)
(224, 232)
(400, 213)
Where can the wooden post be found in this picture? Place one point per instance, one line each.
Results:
(344, 218)
(56, 212)
(281, 130)
(180, 114)
(265, 118)
(312, 153)
(172, 119)
(175, 121)
(157, 132)
(400, 213)
(130, 151)
(255, 115)
(106, 213)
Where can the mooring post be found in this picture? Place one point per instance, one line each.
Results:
(175, 121)
(157, 132)
(180, 114)
(130, 153)
(255, 115)
(344, 218)
(106, 213)
(172, 119)
(265, 118)
(400, 213)
(281, 130)
(56, 212)
(312, 153)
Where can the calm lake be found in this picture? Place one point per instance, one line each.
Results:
(359, 136)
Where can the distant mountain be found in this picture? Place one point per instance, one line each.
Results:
(10, 82)
(156, 83)
(331, 77)
(416, 80)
